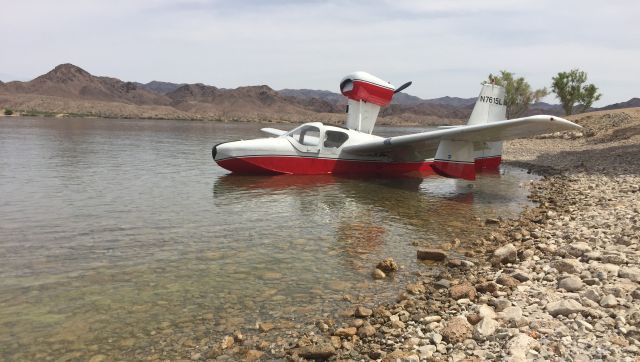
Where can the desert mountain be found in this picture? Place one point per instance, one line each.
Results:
(159, 87)
(68, 89)
(633, 102)
(70, 81)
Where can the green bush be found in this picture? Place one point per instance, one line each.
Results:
(8, 112)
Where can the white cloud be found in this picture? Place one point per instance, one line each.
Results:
(445, 47)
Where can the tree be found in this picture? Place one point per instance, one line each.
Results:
(518, 93)
(8, 112)
(570, 88)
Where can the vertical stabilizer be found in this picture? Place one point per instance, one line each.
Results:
(490, 106)
(366, 95)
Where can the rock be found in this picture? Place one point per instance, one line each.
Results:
(442, 284)
(378, 274)
(571, 284)
(98, 358)
(491, 221)
(265, 327)
(253, 355)
(577, 249)
(431, 254)
(387, 265)
(416, 288)
(473, 318)
(511, 314)
(632, 274)
(592, 295)
(636, 294)
(463, 290)
(501, 304)
(564, 307)
(345, 332)
(485, 328)
(427, 351)
(367, 330)
(456, 330)
(488, 287)
(571, 266)
(336, 342)
(505, 254)
(521, 276)
(397, 324)
(362, 312)
(401, 356)
(507, 281)
(608, 301)
(519, 346)
(486, 312)
(227, 342)
(322, 351)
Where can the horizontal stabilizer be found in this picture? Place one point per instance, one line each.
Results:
(455, 159)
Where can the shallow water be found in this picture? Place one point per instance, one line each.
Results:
(122, 237)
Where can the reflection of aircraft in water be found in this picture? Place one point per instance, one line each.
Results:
(456, 152)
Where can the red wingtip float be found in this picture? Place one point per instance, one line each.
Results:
(456, 152)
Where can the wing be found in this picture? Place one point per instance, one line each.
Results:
(423, 145)
(273, 131)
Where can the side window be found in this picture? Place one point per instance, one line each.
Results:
(335, 139)
(308, 136)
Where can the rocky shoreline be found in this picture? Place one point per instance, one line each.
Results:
(561, 282)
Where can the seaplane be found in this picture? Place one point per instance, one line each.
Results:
(452, 151)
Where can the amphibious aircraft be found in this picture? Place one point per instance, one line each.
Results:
(454, 151)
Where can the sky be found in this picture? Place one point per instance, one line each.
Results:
(445, 47)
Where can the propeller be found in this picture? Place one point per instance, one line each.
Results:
(402, 87)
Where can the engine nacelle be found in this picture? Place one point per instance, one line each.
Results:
(362, 86)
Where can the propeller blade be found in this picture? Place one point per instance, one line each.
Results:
(402, 87)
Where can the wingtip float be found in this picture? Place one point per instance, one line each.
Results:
(315, 148)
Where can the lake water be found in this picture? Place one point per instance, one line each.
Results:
(124, 238)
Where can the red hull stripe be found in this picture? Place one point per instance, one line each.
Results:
(317, 166)
(488, 163)
(463, 170)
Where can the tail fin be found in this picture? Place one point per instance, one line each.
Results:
(490, 107)
(366, 94)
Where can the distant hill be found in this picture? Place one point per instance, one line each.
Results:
(68, 89)
(72, 82)
(633, 102)
(159, 87)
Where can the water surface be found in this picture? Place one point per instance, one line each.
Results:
(123, 238)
